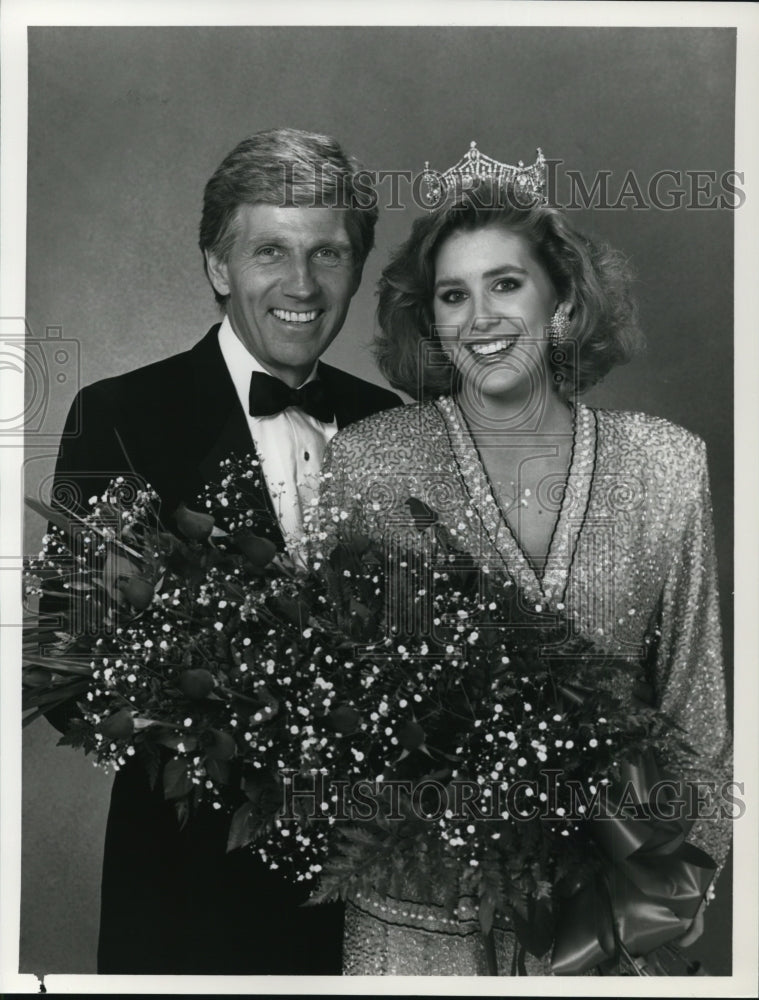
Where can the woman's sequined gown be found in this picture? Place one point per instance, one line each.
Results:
(631, 561)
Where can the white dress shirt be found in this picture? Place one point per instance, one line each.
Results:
(290, 445)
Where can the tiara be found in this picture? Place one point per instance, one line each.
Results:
(529, 183)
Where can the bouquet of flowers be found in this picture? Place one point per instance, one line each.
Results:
(379, 714)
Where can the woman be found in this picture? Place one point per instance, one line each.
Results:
(495, 315)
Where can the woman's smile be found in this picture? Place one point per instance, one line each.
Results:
(492, 349)
(497, 299)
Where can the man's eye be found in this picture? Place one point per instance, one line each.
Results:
(328, 254)
(268, 252)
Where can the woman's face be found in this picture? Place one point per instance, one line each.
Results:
(493, 302)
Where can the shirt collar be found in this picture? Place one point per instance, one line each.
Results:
(241, 362)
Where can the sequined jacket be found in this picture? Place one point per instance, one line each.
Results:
(631, 559)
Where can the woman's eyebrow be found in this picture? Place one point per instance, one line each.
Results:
(491, 273)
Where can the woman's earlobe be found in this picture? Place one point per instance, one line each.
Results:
(559, 326)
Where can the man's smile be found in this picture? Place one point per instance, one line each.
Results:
(293, 316)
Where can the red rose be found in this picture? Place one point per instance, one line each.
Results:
(193, 523)
(196, 683)
(222, 748)
(257, 550)
(138, 591)
(344, 719)
(118, 726)
(411, 736)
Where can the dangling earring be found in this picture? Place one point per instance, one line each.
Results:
(558, 327)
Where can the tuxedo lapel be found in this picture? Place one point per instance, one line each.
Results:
(222, 431)
(213, 425)
(341, 392)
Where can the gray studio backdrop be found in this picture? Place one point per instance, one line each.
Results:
(125, 127)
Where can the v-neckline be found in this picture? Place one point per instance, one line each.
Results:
(552, 584)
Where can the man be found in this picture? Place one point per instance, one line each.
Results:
(284, 241)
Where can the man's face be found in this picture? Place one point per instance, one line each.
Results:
(290, 277)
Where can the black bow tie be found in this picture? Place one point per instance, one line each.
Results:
(269, 395)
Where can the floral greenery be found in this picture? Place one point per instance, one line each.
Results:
(239, 678)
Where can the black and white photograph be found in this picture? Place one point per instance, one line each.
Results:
(378, 438)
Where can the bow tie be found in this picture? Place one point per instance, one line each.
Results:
(269, 395)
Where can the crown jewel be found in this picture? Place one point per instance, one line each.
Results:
(529, 182)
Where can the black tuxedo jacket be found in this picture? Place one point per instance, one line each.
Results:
(174, 901)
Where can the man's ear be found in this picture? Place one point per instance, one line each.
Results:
(218, 273)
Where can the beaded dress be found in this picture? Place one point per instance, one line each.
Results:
(631, 562)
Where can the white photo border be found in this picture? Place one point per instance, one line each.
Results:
(18, 15)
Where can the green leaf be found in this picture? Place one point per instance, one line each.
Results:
(218, 771)
(264, 794)
(173, 740)
(223, 746)
(48, 699)
(268, 699)
(150, 757)
(183, 812)
(59, 665)
(239, 832)
(358, 541)
(176, 780)
(329, 891)
(535, 933)
(424, 516)
(360, 610)
(486, 913)
(294, 611)
(78, 734)
(51, 514)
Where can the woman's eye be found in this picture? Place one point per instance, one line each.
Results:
(453, 297)
(506, 285)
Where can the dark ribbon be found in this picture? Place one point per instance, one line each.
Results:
(647, 894)
(269, 395)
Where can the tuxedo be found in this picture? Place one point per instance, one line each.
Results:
(173, 900)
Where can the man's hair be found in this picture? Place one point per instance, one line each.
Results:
(594, 277)
(286, 167)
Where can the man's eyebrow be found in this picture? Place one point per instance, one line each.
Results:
(278, 239)
(258, 238)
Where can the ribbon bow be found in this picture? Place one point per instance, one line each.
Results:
(647, 894)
